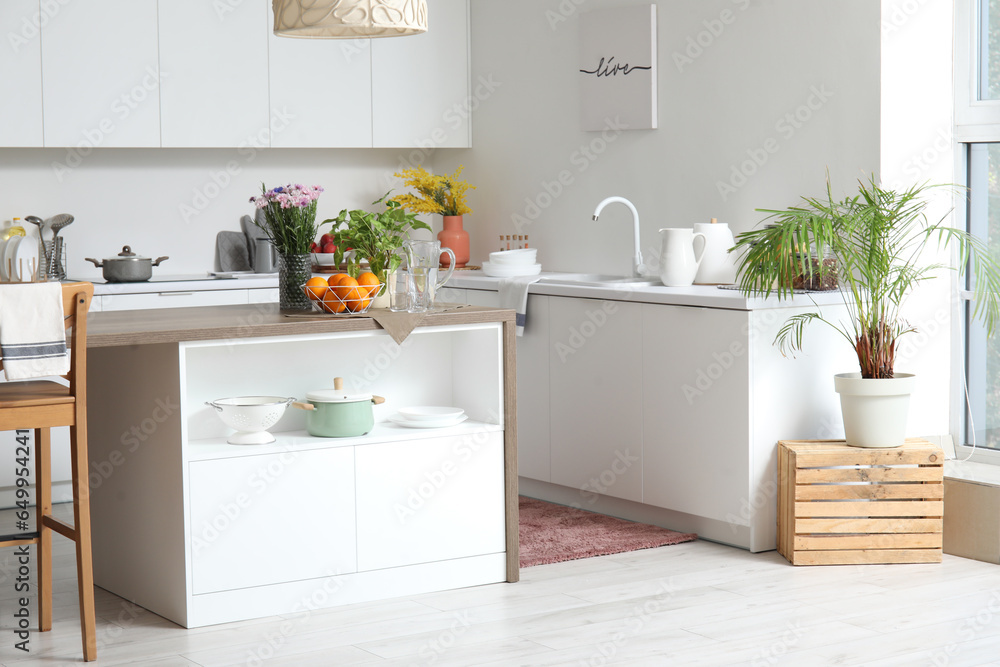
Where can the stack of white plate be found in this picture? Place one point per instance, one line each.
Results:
(17, 253)
(510, 263)
(429, 416)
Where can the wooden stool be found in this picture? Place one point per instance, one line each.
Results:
(41, 405)
(840, 505)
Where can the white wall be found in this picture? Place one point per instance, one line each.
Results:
(917, 118)
(174, 201)
(716, 109)
(728, 99)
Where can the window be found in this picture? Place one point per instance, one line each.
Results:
(982, 352)
(977, 70)
(977, 128)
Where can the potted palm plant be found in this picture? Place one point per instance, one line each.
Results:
(871, 245)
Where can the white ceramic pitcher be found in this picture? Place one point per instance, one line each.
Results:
(678, 261)
(718, 266)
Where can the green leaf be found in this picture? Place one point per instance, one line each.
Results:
(877, 238)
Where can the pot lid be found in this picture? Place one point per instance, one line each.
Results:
(336, 395)
(125, 254)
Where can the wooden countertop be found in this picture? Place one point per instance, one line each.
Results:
(173, 325)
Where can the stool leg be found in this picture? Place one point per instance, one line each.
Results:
(81, 522)
(43, 507)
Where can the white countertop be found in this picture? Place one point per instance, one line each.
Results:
(707, 296)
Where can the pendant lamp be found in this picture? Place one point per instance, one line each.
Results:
(348, 19)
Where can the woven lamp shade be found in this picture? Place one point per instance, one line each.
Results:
(346, 19)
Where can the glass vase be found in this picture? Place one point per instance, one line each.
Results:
(293, 272)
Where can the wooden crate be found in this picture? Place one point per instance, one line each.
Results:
(840, 505)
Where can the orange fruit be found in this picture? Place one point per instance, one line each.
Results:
(331, 303)
(345, 286)
(316, 288)
(348, 292)
(335, 279)
(369, 281)
(358, 305)
(354, 299)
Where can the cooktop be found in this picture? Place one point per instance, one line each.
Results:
(177, 278)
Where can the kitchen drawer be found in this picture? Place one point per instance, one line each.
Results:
(268, 295)
(153, 300)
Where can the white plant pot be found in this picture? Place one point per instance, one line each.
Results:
(874, 411)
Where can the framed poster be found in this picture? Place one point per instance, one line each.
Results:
(617, 70)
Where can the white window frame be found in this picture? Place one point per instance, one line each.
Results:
(976, 121)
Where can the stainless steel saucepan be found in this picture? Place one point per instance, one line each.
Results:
(127, 267)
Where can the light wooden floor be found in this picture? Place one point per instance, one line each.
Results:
(691, 604)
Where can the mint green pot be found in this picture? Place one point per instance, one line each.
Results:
(335, 414)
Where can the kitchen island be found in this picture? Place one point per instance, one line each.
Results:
(203, 532)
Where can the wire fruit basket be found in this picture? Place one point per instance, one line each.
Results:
(344, 299)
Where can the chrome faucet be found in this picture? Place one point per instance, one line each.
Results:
(638, 267)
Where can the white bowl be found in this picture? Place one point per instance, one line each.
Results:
(251, 416)
(511, 270)
(430, 413)
(521, 256)
(323, 258)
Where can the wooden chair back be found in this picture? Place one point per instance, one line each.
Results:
(76, 298)
(76, 302)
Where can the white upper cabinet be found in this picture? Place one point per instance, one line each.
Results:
(100, 74)
(214, 60)
(21, 73)
(201, 74)
(420, 84)
(321, 92)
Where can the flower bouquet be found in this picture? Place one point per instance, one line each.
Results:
(290, 224)
(444, 195)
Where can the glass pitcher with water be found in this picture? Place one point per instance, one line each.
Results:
(423, 259)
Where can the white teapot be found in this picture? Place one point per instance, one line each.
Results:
(678, 262)
(718, 266)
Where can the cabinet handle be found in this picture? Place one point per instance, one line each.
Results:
(176, 293)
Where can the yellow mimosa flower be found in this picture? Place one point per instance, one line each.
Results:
(443, 194)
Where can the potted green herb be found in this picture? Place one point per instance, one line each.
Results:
(374, 237)
(877, 240)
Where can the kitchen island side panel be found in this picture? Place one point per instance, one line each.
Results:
(136, 475)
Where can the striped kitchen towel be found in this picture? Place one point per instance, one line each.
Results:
(514, 294)
(32, 331)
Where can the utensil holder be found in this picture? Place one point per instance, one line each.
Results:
(52, 259)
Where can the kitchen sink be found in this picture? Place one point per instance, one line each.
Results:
(599, 280)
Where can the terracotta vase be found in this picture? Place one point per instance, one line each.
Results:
(456, 238)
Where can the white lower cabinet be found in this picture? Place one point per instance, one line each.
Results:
(533, 404)
(267, 295)
(695, 419)
(436, 500)
(595, 402)
(665, 413)
(236, 501)
(154, 300)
